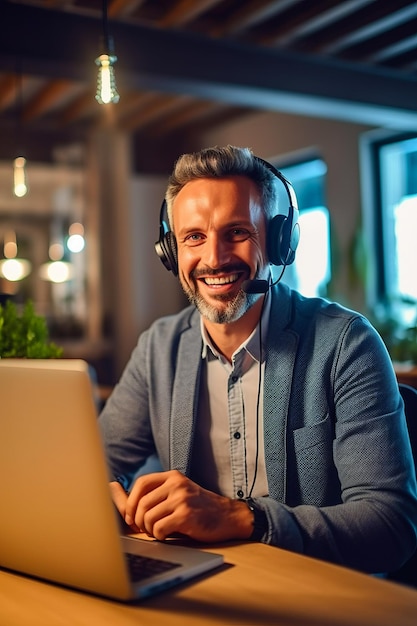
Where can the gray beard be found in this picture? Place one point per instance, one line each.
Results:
(233, 311)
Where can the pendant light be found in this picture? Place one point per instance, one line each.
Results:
(106, 82)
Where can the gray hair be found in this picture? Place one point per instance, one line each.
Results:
(218, 162)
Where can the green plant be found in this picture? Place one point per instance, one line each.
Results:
(401, 342)
(400, 338)
(25, 334)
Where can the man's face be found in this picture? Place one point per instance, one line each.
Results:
(221, 237)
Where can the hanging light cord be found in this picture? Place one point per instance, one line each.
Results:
(106, 38)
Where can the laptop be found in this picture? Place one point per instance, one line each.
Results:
(57, 519)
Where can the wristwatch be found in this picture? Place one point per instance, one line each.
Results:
(260, 521)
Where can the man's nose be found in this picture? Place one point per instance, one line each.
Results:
(217, 251)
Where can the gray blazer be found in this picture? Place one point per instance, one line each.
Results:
(340, 471)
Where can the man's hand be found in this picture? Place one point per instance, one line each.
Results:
(119, 497)
(167, 503)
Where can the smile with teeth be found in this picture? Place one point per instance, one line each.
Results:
(221, 280)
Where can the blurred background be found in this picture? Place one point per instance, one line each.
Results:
(98, 99)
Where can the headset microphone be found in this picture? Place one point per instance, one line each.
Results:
(255, 286)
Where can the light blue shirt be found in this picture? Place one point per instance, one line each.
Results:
(229, 442)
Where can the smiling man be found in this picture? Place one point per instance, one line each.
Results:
(220, 230)
(275, 417)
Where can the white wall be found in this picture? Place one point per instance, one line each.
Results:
(147, 290)
(137, 289)
(156, 291)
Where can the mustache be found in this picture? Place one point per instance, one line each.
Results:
(226, 269)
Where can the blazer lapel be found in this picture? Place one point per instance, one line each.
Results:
(184, 396)
(279, 366)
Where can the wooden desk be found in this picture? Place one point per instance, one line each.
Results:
(258, 585)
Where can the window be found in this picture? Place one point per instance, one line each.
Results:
(392, 167)
(310, 272)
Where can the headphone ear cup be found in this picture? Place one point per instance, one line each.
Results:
(166, 249)
(171, 255)
(166, 246)
(278, 240)
(173, 251)
(282, 240)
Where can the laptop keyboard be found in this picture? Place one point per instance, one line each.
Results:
(141, 567)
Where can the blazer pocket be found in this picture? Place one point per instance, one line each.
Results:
(313, 434)
(312, 475)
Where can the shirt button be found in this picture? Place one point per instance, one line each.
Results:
(240, 494)
(235, 379)
(236, 435)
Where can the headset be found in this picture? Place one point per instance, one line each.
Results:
(283, 235)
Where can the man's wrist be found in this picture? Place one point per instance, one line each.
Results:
(260, 521)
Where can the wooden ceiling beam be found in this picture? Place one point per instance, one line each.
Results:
(188, 64)
(123, 8)
(317, 20)
(250, 15)
(152, 112)
(376, 26)
(8, 91)
(185, 11)
(45, 98)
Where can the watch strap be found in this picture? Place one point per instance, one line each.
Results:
(260, 521)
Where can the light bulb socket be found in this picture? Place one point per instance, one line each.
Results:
(106, 58)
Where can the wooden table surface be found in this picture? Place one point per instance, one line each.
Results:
(258, 585)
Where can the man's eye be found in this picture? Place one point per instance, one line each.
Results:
(239, 234)
(193, 238)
